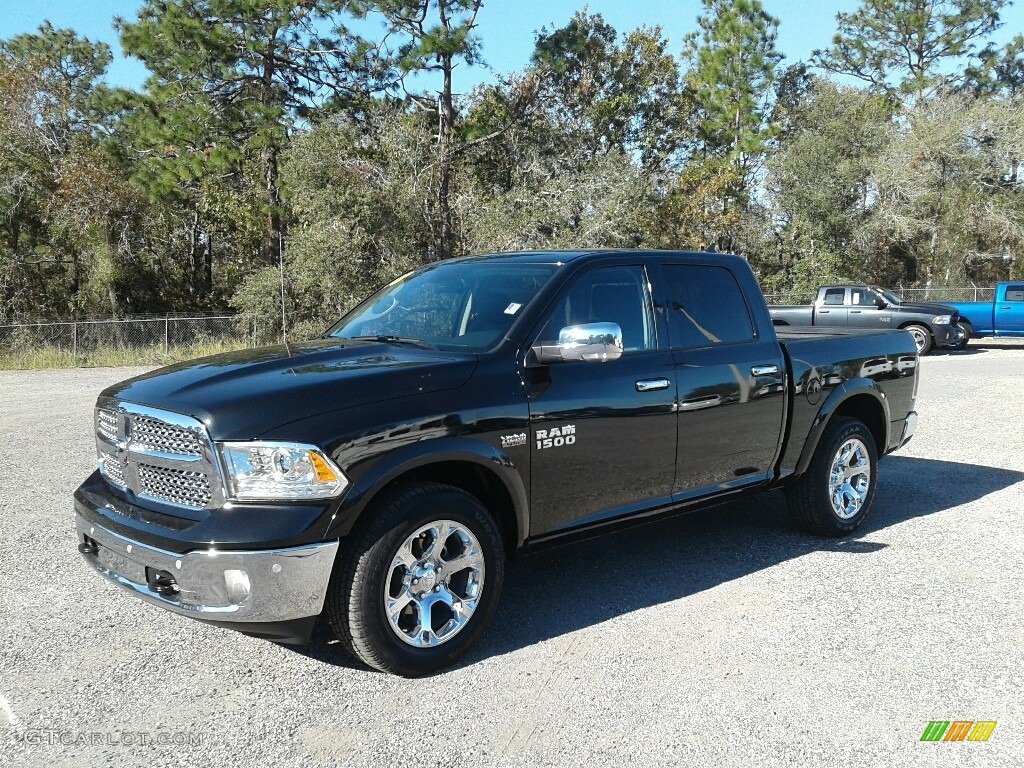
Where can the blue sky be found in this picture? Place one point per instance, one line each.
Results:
(507, 27)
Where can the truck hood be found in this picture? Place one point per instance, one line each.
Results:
(934, 309)
(241, 395)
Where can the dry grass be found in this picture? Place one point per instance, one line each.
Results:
(102, 358)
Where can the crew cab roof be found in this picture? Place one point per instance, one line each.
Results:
(553, 257)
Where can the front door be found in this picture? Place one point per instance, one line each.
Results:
(603, 434)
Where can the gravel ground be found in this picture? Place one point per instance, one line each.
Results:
(721, 638)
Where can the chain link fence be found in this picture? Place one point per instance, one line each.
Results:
(936, 294)
(123, 341)
(159, 340)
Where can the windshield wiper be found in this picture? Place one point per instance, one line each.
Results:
(420, 343)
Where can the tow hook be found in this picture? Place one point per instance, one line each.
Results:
(161, 582)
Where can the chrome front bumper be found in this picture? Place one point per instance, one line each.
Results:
(224, 586)
(909, 427)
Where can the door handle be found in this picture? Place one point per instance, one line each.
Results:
(1004, 307)
(855, 311)
(651, 385)
(824, 311)
(765, 370)
(700, 402)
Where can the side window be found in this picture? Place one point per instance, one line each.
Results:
(834, 297)
(860, 297)
(1015, 293)
(606, 295)
(705, 307)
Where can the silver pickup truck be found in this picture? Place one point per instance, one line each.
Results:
(865, 306)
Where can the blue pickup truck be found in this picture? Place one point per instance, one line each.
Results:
(1003, 316)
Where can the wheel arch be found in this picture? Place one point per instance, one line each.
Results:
(470, 465)
(858, 398)
(920, 323)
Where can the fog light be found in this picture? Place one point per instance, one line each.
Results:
(237, 583)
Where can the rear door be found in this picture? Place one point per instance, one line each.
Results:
(603, 435)
(1009, 311)
(830, 309)
(731, 381)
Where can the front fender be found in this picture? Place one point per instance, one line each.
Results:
(842, 394)
(408, 458)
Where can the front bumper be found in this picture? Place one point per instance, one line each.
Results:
(246, 590)
(948, 335)
(909, 427)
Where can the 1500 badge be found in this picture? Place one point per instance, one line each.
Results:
(556, 437)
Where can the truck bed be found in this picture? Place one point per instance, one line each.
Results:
(824, 359)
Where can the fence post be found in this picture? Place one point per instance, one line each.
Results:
(167, 348)
(74, 344)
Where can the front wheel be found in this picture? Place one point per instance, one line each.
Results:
(416, 588)
(966, 335)
(922, 338)
(834, 495)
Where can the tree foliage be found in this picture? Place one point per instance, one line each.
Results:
(904, 47)
(277, 163)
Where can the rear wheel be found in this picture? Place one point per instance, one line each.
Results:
(922, 338)
(417, 587)
(834, 495)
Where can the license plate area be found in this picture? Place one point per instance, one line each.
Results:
(122, 565)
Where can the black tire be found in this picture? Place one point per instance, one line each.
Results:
(922, 337)
(810, 498)
(968, 331)
(355, 604)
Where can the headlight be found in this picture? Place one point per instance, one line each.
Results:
(942, 320)
(263, 471)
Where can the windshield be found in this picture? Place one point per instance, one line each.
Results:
(467, 306)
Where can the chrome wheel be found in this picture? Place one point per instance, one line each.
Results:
(850, 478)
(921, 338)
(434, 584)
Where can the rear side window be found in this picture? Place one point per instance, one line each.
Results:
(1015, 293)
(834, 297)
(705, 307)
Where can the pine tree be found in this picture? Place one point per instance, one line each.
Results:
(433, 36)
(230, 78)
(904, 47)
(733, 63)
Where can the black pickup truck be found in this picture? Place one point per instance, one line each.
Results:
(865, 306)
(381, 475)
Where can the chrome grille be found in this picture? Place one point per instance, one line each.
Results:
(153, 435)
(159, 455)
(112, 468)
(178, 486)
(106, 424)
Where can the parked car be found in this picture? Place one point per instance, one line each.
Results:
(863, 306)
(1003, 316)
(379, 476)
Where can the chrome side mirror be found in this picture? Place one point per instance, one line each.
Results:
(592, 342)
